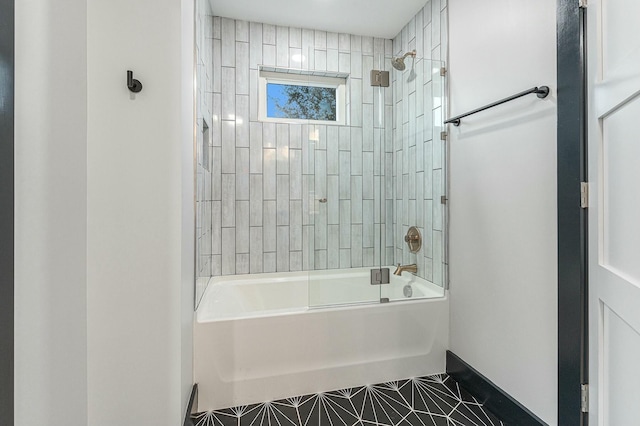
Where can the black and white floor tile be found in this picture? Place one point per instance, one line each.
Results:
(423, 401)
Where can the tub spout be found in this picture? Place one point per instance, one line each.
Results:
(409, 268)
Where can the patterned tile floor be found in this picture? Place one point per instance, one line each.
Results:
(423, 401)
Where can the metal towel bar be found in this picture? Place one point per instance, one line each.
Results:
(541, 91)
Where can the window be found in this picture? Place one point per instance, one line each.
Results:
(301, 96)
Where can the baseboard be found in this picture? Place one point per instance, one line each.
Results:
(494, 399)
(192, 407)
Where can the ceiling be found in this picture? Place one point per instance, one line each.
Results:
(378, 18)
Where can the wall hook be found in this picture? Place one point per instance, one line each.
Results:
(134, 85)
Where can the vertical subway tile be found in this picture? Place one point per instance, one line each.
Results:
(255, 148)
(344, 62)
(242, 226)
(333, 246)
(228, 200)
(255, 197)
(333, 200)
(228, 147)
(216, 173)
(356, 43)
(356, 102)
(367, 257)
(282, 250)
(269, 135)
(356, 199)
(255, 45)
(255, 250)
(367, 127)
(333, 164)
(242, 121)
(345, 258)
(295, 136)
(295, 58)
(242, 68)
(269, 262)
(332, 41)
(282, 46)
(242, 173)
(308, 42)
(344, 42)
(269, 226)
(332, 60)
(282, 199)
(295, 261)
(356, 150)
(435, 23)
(321, 174)
(356, 246)
(282, 143)
(295, 217)
(216, 227)
(228, 93)
(345, 223)
(217, 66)
(295, 37)
(216, 32)
(320, 39)
(308, 199)
(268, 34)
(295, 173)
(367, 176)
(229, 251)
(345, 138)
(216, 120)
(308, 244)
(321, 259)
(228, 42)
(356, 65)
(345, 175)
(269, 55)
(367, 45)
(320, 58)
(242, 31)
(269, 173)
(437, 207)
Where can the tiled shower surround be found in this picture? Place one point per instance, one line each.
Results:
(266, 178)
(419, 163)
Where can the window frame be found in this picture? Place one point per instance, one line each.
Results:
(302, 78)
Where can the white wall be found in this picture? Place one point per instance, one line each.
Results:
(50, 220)
(135, 213)
(503, 268)
(104, 212)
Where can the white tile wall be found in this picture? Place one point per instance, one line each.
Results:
(380, 173)
(419, 154)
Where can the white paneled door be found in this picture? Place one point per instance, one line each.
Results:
(614, 211)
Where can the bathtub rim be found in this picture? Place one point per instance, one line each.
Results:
(315, 310)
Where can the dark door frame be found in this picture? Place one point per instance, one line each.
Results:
(572, 219)
(7, 90)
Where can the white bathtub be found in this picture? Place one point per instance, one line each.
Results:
(256, 338)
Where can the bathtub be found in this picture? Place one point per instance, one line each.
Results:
(263, 337)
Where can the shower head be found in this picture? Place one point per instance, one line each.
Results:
(398, 61)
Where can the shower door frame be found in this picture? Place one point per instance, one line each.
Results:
(7, 90)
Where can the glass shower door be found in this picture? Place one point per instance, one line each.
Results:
(346, 210)
(419, 178)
